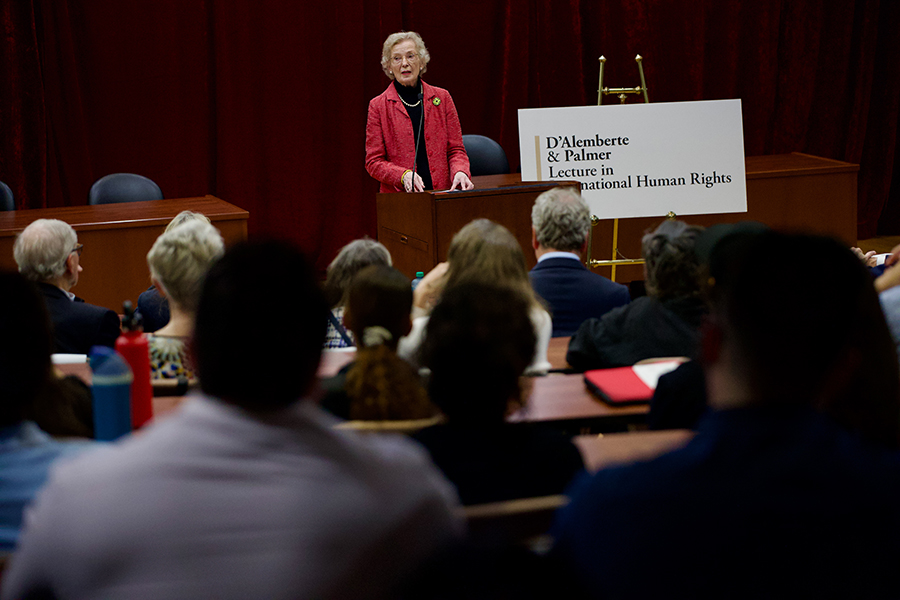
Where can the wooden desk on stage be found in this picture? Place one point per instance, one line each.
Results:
(417, 228)
(116, 240)
(785, 191)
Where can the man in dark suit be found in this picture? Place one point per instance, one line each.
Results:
(48, 253)
(560, 226)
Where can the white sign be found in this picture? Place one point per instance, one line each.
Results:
(641, 160)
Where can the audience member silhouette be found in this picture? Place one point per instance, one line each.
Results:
(791, 486)
(247, 491)
(479, 341)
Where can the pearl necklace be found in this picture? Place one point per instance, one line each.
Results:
(418, 102)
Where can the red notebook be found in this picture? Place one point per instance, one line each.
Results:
(628, 385)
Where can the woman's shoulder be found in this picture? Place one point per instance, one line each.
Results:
(382, 98)
(431, 91)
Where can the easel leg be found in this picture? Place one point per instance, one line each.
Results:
(615, 247)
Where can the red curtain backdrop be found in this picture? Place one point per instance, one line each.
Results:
(263, 102)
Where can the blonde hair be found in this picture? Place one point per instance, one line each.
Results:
(180, 258)
(401, 36)
(486, 252)
(186, 216)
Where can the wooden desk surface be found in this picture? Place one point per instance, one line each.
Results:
(112, 216)
(116, 240)
(611, 449)
(558, 397)
(556, 353)
(333, 360)
(553, 398)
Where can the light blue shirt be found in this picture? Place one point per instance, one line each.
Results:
(557, 254)
(26, 453)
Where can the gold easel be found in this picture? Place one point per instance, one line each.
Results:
(622, 93)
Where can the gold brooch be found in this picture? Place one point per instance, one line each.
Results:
(436, 101)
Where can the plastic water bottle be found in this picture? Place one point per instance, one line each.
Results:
(133, 346)
(419, 276)
(111, 390)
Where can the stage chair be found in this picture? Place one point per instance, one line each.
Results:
(7, 202)
(486, 157)
(123, 187)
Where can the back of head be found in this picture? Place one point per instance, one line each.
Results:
(25, 354)
(479, 341)
(810, 335)
(379, 296)
(672, 268)
(561, 220)
(352, 257)
(484, 251)
(180, 258)
(186, 216)
(259, 327)
(380, 384)
(42, 248)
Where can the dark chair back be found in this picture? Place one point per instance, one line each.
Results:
(486, 157)
(7, 202)
(123, 187)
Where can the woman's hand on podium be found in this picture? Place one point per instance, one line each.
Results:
(412, 180)
(462, 182)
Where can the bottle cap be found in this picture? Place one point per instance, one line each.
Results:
(132, 319)
(113, 371)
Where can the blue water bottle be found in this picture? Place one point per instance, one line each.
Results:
(111, 389)
(419, 276)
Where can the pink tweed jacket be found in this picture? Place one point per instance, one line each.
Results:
(390, 145)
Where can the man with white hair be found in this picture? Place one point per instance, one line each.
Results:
(560, 227)
(48, 253)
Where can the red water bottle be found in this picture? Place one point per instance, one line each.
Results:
(133, 346)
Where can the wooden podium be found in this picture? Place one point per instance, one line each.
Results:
(417, 228)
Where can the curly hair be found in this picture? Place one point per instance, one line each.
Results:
(381, 385)
(672, 267)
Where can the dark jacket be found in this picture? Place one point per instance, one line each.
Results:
(645, 328)
(574, 293)
(78, 325)
(504, 462)
(776, 502)
(154, 309)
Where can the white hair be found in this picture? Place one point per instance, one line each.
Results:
(352, 258)
(180, 258)
(401, 36)
(561, 219)
(42, 249)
